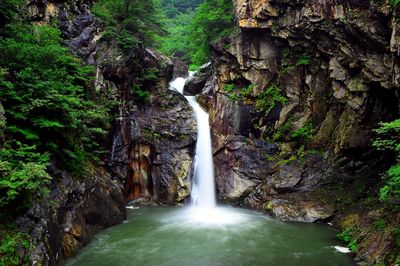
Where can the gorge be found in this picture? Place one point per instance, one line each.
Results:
(204, 234)
(295, 110)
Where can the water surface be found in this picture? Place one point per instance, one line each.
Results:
(208, 237)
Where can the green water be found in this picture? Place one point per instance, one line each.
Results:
(178, 236)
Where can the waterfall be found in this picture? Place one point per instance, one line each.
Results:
(203, 186)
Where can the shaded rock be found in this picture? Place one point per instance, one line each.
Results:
(286, 178)
(196, 83)
(299, 207)
(180, 68)
(240, 167)
(78, 211)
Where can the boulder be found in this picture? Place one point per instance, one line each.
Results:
(195, 84)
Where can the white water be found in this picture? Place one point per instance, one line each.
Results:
(203, 186)
(204, 210)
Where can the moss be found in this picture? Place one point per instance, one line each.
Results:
(150, 134)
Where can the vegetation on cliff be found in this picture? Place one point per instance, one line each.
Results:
(52, 114)
(389, 140)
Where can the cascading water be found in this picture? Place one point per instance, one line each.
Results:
(205, 234)
(203, 187)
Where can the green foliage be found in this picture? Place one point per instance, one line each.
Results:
(128, 41)
(397, 237)
(380, 224)
(304, 60)
(229, 88)
(289, 60)
(388, 137)
(139, 95)
(303, 134)
(134, 21)
(174, 8)
(283, 130)
(243, 94)
(24, 175)
(150, 74)
(189, 34)
(391, 190)
(44, 95)
(212, 20)
(8, 12)
(394, 3)
(268, 99)
(346, 236)
(12, 246)
(389, 140)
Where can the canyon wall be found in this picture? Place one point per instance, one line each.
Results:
(151, 142)
(294, 98)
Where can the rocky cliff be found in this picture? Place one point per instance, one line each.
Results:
(293, 100)
(151, 141)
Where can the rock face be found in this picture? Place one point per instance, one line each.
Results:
(339, 86)
(153, 141)
(195, 84)
(333, 85)
(76, 209)
(73, 214)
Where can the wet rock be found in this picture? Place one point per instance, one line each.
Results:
(196, 83)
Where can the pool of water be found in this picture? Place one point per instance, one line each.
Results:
(221, 236)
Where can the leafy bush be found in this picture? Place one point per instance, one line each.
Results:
(303, 60)
(395, 3)
(45, 95)
(346, 236)
(389, 140)
(8, 12)
(303, 134)
(150, 74)
(391, 190)
(14, 247)
(139, 95)
(24, 175)
(268, 99)
(242, 94)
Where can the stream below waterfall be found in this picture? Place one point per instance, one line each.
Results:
(207, 235)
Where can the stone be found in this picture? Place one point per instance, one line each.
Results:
(300, 207)
(286, 178)
(195, 84)
(82, 210)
